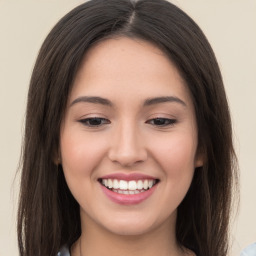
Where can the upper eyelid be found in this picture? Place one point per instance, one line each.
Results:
(148, 119)
(174, 120)
(83, 120)
(90, 116)
(162, 114)
(100, 117)
(161, 117)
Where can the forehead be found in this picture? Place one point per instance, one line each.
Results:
(127, 54)
(127, 66)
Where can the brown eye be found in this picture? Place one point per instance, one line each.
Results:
(161, 121)
(94, 121)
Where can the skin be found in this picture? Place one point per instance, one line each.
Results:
(127, 72)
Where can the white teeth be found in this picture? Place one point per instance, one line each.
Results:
(115, 184)
(145, 185)
(132, 185)
(110, 183)
(140, 184)
(130, 192)
(123, 184)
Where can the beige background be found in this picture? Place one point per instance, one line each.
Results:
(230, 26)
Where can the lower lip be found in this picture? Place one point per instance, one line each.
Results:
(125, 199)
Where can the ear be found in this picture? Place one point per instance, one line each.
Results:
(56, 157)
(199, 162)
(199, 158)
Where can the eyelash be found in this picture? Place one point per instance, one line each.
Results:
(87, 121)
(164, 122)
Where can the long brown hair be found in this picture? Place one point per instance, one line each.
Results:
(48, 215)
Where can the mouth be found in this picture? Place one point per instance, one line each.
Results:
(130, 187)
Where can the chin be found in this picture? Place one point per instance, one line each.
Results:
(129, 231)
(128, 226)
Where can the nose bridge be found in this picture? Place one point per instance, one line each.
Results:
(127, 146)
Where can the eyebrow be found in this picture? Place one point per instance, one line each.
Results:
(165, 99)
(147, 102)
(92, 99)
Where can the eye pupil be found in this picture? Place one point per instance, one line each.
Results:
(159, 121)
(95, 121)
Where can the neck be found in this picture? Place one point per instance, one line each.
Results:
(97, 241)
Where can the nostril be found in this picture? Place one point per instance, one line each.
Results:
(127, 152)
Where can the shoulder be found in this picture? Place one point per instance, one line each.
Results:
(64, 251)
(249, 251)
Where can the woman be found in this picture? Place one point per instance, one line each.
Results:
(128, 141)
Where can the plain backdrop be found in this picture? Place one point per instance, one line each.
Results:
(230, 26)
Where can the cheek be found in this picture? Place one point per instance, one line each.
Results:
(80, 154)
(177, 158)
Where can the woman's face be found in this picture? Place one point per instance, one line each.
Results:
(129, 138)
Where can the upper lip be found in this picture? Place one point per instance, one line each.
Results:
(128, 176)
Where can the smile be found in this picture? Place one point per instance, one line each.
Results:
(128, 187)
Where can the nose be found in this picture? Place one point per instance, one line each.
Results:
(127, 146)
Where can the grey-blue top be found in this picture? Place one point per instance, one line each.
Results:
(249, 251)
(64, 251)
